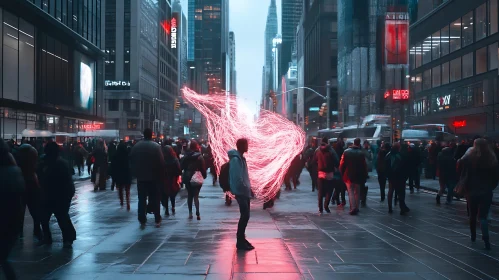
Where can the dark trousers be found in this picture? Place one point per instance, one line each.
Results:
(382, 184)
(414, 178)
(398, 187)
(124, 189)
(244, 210)
(32, 200)
(80, 168)
(340, 188)
(10, 210)
(149, 192)
(193, 195)
(479, 205)
(313, 176)
(164, 200)
(61, 212)
(325, 190)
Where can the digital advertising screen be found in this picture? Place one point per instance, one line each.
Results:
(85, 88)
(396, 38)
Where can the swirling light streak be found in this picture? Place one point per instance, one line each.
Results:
(273, 140)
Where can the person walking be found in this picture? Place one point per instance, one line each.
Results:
(381, 169)
(12, 189)
(80, 154)
(58, 190)
(27, 159)
(194, 169)
(100, 165)
(240, 186)
(397, 174)
(111, 151)
(480, 175)
(148, 166)
(120, 168)
(328, 164)
(310, 164)
(353, 168)
(447, 172)
(340, 189)
(172, 184)
(414, 162)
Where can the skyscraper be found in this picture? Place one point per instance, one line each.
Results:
(291, 11)
(232, 56)
(191, 27)
(211, 42)
(270, 33)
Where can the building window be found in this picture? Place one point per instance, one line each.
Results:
(436, 76)
(481, 60)
(467, 25)
(481, 21)
(445, 73)
(455, 35)
(444, 43)
(435, 45)
(114, 105)
(455, 70)
(493, 56)
(427, 79)
(468, 65)
(426, 48)
(493, 23)
(418, 83)
(133, 124)
(419, 56)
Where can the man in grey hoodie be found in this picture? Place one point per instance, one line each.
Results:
(240, 186)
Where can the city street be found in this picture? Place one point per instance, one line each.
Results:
(292, 241)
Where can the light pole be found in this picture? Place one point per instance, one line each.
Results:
(328, 97)
(154, 100)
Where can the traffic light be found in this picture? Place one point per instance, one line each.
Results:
(306, 120)
(396, 134)
(177, 104)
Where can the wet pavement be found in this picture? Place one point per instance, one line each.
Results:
(292, 241)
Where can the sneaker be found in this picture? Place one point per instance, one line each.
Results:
(190, 217)
(321, 212)
(243, 246)
(327, 209)
(158, 224)
(249, 245)
(354, 212)
(173, 210)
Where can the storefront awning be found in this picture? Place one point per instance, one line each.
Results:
(36, 133)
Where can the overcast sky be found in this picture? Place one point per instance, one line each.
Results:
(247, 20)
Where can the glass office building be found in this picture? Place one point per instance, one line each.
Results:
(51, 68)
(453, 67)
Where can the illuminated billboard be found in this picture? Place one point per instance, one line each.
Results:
(86, 86)
(396, 38)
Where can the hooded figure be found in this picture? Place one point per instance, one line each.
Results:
(238, 175)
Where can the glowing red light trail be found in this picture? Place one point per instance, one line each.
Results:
(273, 140)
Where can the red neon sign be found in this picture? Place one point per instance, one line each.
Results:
(386, 95)
(400, 94)
(458, 124)
(91, 126)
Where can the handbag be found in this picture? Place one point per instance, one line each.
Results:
(460, 189)
(197, 178)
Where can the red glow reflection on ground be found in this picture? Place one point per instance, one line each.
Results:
(273, 140)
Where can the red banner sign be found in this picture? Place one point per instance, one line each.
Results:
(458, 124)
(396, 38)
(91, 126)
(400, 94)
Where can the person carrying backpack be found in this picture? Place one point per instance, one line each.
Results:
(397, 173)
(241, 187)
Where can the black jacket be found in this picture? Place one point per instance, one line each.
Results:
(480, 177)
(192, 162)
(447, 166)
(120, 168)
(396, 166)
(327, 159)
(56, 181)
(353, 166)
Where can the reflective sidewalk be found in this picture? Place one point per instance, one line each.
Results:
(292, 241)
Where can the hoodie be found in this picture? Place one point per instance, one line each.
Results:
(238, 175)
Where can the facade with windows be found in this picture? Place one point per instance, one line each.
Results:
(51, 74)
(453, 67)
(140, 67)
(320, 29)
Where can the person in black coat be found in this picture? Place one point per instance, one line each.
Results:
(192, 163)
(120, 168)
(11, 192)
(397, 174)
(172, 185)
(447, 172)
(58, 190)
(310, 164)
(414, 161)
(381, 168)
